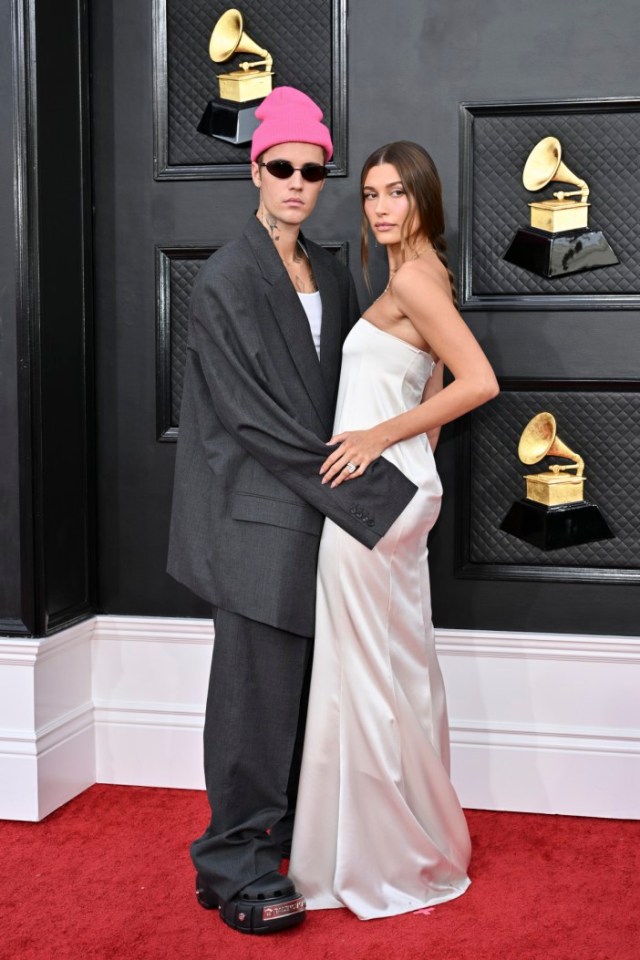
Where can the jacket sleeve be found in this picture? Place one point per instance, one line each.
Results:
(365, 507)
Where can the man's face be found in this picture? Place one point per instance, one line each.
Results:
(292, 200)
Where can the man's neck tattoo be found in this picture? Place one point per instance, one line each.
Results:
(304, 285)
(271, 223)
(299, 267)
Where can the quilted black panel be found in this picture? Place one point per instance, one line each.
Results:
(298, 36)
(183, 275)
(600, 147)
(603, 427)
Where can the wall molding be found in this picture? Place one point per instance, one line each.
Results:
(538, 646)
(154, 629)
(36, 743)
(546, 736)
(47, 749)
(542, 723)
(54, 424)
(30, 650)
(14, 627)
(27, 247)
(150, 678)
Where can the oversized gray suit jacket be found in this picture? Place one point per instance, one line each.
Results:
(257, 410)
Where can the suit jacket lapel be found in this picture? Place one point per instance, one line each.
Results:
(294, 325)
(292, 320)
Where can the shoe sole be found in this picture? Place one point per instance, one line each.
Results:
(256, 916)
(264, 916)
(202, 898)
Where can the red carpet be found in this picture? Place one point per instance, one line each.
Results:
(108, 876)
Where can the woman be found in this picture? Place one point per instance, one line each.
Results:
(379, 828)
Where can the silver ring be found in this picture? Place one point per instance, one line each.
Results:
(351, 467)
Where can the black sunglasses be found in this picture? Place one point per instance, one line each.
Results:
(283, 169)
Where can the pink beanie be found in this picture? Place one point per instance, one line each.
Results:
(289, 116)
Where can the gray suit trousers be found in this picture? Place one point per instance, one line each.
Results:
(253, 738)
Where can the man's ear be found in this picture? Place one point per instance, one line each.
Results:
(255, 174)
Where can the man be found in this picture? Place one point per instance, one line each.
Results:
(268, 316)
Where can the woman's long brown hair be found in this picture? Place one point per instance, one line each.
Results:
(420, 179)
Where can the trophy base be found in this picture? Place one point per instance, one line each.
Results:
(229, 121)
(551, 528)
(557, 254)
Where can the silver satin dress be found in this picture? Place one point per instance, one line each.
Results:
(379, 828)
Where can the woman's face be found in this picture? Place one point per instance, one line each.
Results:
(387, 206)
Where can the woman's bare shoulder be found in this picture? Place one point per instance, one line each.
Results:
(423, 276)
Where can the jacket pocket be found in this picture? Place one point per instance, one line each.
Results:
(254, 508)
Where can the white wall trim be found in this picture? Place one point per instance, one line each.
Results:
(544, 723)
(145, 712)
(539, 722)
(47, 753)
(546, 737)
(36, 743)
(174, 630)
(150, 681)
(18, 653)
(538, 646)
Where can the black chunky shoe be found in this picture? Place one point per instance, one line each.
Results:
(266, 905)
(205, 895)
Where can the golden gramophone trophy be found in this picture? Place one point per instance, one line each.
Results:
(554, 512)
(231, 116)
(558, 240)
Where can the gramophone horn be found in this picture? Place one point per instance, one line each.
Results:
(228, 37)
(544, 164)
(540, 439)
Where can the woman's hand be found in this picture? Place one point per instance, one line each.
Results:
(357, 449)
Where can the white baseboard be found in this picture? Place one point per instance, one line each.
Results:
(539, 723)
(150, 687)
(47, 753)
(146, 745)
(544, 723)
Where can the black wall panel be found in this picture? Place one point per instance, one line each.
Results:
(590, 417)
(10, 579)
(409, 68)
(308, 53)
(47, 564)
(65, 433)
(600, 141)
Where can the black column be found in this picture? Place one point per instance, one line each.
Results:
(46, 415)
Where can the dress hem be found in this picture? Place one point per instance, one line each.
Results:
(395, 911)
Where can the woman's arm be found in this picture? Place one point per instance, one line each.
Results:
(435, 383)
(420, 293)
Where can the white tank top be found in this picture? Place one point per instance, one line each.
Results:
(313, 308)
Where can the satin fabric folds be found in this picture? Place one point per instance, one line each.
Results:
(379, 828)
